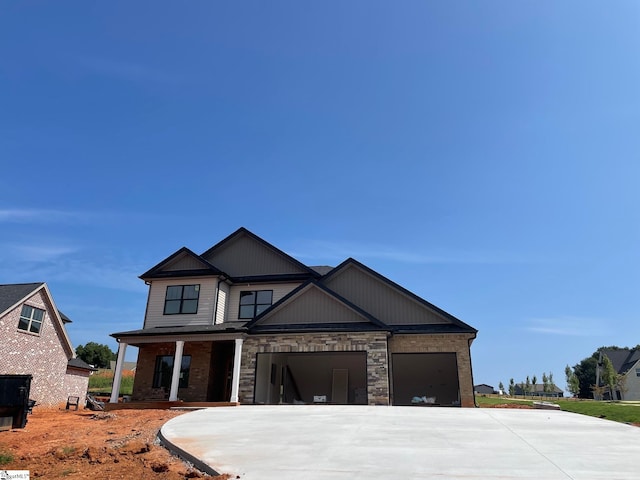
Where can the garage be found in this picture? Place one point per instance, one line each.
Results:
(425, 379)
(314, 377)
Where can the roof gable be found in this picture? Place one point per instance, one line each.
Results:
(243, 254)
(622, 359)
(21, 293)
(312, 305)
(182, 263)
(13, 294)
(386, 300)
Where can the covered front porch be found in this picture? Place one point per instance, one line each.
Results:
(185, 366)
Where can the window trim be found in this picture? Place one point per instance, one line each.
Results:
(183, 381)
(255, 304)
(181, 300)
(30, 320)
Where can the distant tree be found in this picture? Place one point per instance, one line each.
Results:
(95, 354)
(585, 371)
(512, 387)
(527, 386)
(573, 383)
(501, 388)
(621, 384)
(609, 376)
(534, 381)
(545, 383)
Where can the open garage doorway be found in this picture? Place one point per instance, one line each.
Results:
(425, 378)
(319, 377)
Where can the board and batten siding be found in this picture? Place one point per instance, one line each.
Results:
(313, 306)
(390, 305)
(206, 303)
(279, 291)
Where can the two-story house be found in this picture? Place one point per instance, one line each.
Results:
(626, 364)
(34, 341)
(245, 322)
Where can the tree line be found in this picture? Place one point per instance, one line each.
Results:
(528, 386)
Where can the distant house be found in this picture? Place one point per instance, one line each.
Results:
(484, 389)
(130, 366)
(537, 390)
(626, 363)
(35, 341)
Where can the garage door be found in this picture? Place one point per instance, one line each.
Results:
(319, 377)
(425, 378)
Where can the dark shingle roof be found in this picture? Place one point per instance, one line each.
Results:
(78, 363)
(622, 359)
(13, 293)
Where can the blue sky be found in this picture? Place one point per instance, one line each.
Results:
(485, 155)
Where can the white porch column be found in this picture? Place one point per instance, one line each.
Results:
(177, 365)
(235, 382)
(115, 388)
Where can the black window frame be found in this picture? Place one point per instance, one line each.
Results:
(255, 304)
(182, 301)
(27, 322)
(162, 377)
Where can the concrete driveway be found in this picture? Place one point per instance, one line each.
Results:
(361, 442)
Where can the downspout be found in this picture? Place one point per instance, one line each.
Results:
(215, 305)
(471, 368)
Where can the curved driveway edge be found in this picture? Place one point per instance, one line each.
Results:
(362, 442)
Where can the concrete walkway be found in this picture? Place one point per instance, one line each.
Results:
(361, 442)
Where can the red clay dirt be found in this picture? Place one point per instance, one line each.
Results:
(119, 444)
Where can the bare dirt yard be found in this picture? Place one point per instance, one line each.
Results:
(119, 444)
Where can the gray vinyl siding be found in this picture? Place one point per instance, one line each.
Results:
(381, 300)
(313, 306)
(186, 262)
(206, 302)
(279, 291)
(223, 295)
(246, 257)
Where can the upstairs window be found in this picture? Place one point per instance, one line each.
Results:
(253, 303)
(637, 372)
(31, 319)
(181, 299)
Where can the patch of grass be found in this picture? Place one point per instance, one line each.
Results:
(102, 381)
(68, 450)
(615, 411)
(5, 457)
(484, 401)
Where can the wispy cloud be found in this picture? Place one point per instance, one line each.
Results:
(567, 326)
(39, 253)
(35, 215)
(129, 71)
(332, 252)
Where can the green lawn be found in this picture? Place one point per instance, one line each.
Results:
(616, 411)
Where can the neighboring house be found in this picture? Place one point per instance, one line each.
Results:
(537, 390)
(626, 363)
(245, 322)
(35, 341)
(484, 389)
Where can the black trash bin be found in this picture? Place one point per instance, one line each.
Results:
(14, 400)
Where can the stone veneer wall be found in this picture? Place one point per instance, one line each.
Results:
(196, 391)
(458, 343)
(41, 355)
(374, 343)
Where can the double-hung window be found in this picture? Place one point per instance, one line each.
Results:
(31, 319)
(181, 299)
(253, 303)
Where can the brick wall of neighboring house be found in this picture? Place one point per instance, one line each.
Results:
(77, 382)
(41, 355)
(374, 343)
(441, 344)
(196, 391)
